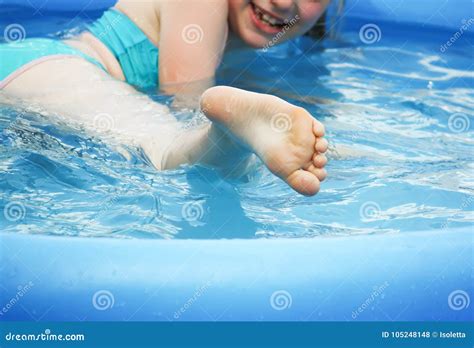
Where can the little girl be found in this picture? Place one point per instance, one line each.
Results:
(177, 47)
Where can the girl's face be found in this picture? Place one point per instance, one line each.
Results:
(257, 22)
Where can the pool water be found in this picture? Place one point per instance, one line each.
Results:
(398, 114)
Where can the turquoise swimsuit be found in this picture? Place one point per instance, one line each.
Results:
(136, 54)
(16, 57)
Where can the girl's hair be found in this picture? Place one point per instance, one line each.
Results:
(318, 31)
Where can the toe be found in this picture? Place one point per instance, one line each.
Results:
(320, 173)
(321, 145)
(319, 160)
(304, 182)
(318, 128)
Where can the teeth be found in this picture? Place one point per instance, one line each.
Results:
(267, 18)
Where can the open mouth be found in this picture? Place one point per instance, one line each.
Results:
(265, 20)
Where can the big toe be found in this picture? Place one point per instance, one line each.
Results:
(303, 182)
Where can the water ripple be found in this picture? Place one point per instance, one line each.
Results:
(398, 161)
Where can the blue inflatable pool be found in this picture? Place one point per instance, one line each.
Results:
(391, 276)
(404, 277)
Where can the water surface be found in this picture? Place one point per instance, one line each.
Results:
(397, 113)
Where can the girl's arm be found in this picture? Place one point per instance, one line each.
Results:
(193, 35)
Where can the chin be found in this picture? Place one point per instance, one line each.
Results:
(255, 26)
(254, 40)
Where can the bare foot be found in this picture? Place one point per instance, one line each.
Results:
(286, 137)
